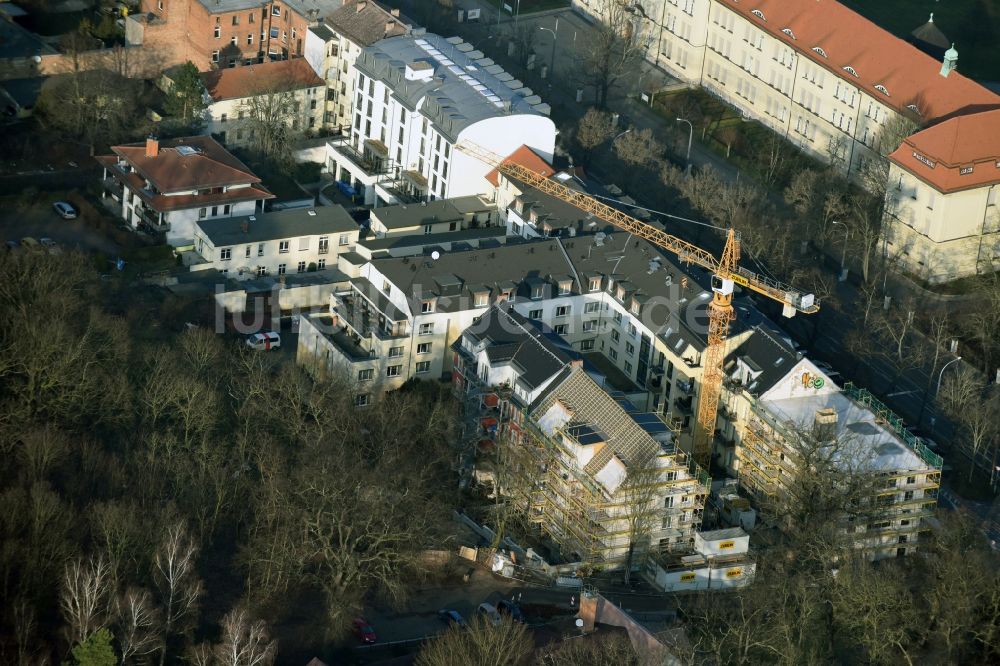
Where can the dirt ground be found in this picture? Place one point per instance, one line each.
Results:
(95, 230)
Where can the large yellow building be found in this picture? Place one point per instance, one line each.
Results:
(836, 85)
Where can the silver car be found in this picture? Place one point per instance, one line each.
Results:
(65, 210)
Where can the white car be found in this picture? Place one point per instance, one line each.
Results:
(491, 614)
(264, 341)
(65, 210)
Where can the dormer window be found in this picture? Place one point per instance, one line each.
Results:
(635, 307)
(759, 14)
(594, 284)
(564, 287)
(819, 50)
(504, 295)
(536, 291)
(788, 31)
(850, 70)
(913, 107)
(620, 293)
(480, 298)
(882, 89)
(427, 305)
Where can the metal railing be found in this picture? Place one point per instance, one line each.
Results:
(895, 422)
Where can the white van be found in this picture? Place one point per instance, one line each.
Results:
(264, 341)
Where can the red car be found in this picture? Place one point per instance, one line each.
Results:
(364, 630)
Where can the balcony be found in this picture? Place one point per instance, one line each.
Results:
(113, 188)
(370, 163)
(683, 405)
(150, 218)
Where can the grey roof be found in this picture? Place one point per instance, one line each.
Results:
(558, 214)
(425, 243)
(365, 23)
(24, 92)
(512, 338)
(18, 42)
(278, 225)
(602, 415)
(670, 311)
(304, 8)
(459, 94)
(420, 276)
(432, 212)
(930, 34)
(766, 352)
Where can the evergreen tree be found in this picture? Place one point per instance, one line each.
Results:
(186, 98)
(95, 651)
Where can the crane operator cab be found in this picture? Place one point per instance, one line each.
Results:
(722, 286)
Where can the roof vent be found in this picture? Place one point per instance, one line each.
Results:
(312, 213)
(825, 425)
(253, 218)
(419, 70)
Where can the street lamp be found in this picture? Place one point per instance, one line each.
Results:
(555, 36)
(620, 135)
(843, 255)
(687, 169)
(941, 374)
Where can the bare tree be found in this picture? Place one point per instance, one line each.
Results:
(614, 49)
(639, 493)
(594, 128)
(245, 641)
(481, 644)
(875, 171)
(877, 610)
(84, 597)
(139, 623)
(613, 650)
(274, 117)
(177, 581)
(638, 148)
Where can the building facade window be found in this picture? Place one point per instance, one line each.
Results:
(366, 375)
(423, 366)
(283, 246)
(424, 348)
(393, 371)
(395, 352)
(282, 268)
(225, 254)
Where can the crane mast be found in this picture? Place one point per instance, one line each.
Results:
(726, 273)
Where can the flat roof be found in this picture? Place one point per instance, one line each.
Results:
(429, 240)
(430, 212)
(864, 441)
(278, 225)
(461, 91)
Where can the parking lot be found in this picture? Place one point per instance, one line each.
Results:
(32, 216)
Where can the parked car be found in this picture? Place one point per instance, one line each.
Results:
(65, 210)
(13, 245)
(29, 243)
(510, 608)
(264, 341)
(489, 611)
(364, 630)
(451, 617)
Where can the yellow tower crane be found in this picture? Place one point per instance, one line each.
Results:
(726, 273)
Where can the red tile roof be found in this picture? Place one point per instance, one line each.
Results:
(239, 82)
(209, 165)
(526, 157)
(956, 154)
(879, 58)
(164, 203)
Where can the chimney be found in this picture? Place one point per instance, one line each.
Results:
(389, 25)
(950, 63)
(825, 425)
(358, 7)
(394, 12)
(152, 146)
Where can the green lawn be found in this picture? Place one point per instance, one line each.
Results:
(974, 26)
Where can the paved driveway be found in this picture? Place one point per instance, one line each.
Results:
(20, 218)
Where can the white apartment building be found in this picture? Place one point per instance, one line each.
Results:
(615, 299)
(168, 186)
(416, 97)
(818, 73)
(286, 89)
(333, 45)
(941, 217)
(277, 243)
